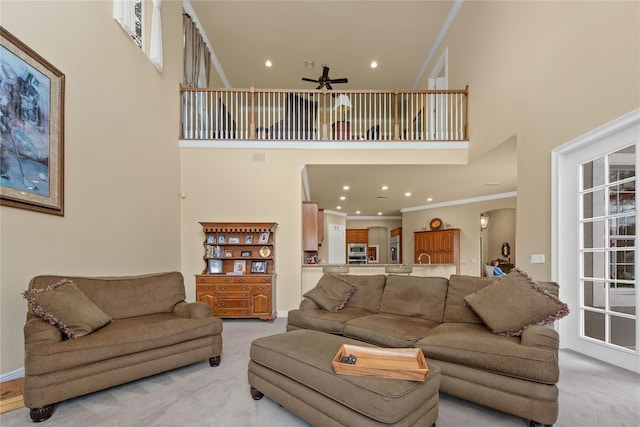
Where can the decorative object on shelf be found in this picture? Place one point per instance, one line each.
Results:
(265, 251)
(239, 266)
(215, 266)
(228, 253)
(32, 125)
(264, 237)
(234, 240)
(249, 239)
(245, 253)
(211, 239)
(484, 221)
(259, 266)
(221, 239)
(435, 224)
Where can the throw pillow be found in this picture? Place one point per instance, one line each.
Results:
(331, 292)
(514, 302)
(64, 305)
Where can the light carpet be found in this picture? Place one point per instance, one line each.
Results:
(592, 393)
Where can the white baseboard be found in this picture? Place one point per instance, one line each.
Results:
(282, 313)
(13, 375)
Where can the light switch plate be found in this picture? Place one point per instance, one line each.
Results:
(537, 258)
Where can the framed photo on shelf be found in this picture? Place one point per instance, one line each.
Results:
(249, 239)
(259, 267)
(221, 239)
(32, 128)
(211, 238)
(234, 240)
(217, 251)
(239, 266)
(264, 237)
(245, 253)
(215, 266)
(228, 253)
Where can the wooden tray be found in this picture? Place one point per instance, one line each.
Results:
(394, 363)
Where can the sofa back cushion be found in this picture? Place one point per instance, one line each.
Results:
(368, 292)
(414, 296)
(456, 309)
(126, 296)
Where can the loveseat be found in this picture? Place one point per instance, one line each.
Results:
(502, 355)
(85, 334)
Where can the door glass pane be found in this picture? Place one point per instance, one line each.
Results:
(594, 234)
(594, 265)
(594, 294)
(622, 265)
(622, 298)
(594, 325)
(622, 198)
(623, 226)
(593, 173)
(593, 204)
(623, 332)
(622, 164)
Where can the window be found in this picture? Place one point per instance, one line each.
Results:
(608, 248)
(130, 15)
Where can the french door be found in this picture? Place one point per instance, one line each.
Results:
(595, 247)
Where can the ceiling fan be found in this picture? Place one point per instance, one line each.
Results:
(324, 80)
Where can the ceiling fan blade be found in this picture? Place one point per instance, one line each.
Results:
(325, 72)
(319, 87)
(339, 80)
(310, 80)
(328, 85)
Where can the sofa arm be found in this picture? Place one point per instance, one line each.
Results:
(540, 336)
(39, 331)
(308, 304)
(193, 310)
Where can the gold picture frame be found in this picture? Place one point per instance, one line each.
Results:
(31, 129)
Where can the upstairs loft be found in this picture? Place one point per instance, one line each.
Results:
(274, 116)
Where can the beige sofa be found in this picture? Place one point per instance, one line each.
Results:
(514, 371)
(109, 331)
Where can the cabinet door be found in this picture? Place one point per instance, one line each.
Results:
(208, 298)
(310, 226)
(261, 302)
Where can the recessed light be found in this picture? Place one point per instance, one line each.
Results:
(384, 187)
(374, 64)
(268, 63)
(407, 194)
(492, 184)
(379, 213)
(358, 212)
(429, 199)
(342, 198)
(338, 207)
(346, 187)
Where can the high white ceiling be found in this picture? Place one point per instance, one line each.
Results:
(347, 36)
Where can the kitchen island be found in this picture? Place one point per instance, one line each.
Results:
(311, 273)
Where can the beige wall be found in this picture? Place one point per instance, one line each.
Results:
(547, 72)
(122, 181)
(501, 229)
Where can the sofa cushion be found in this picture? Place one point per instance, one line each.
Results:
(368, 292)
(414, 296)
(389, 330)
(122, 337)
(63, 305)
(511, 304)
(456, 309)
(325, 321)
(127, 296)
(473, 345)
(331, 292)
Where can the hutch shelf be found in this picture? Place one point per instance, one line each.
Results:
(238, 280)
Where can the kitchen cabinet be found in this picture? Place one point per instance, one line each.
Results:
(440, 247)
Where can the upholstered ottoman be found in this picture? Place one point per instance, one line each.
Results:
(294, 369)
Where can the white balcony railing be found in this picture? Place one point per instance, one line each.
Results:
(320, 115)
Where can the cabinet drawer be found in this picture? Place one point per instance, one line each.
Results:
(233, 303)
(233, 288)
(233, 312)
(233, 295)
